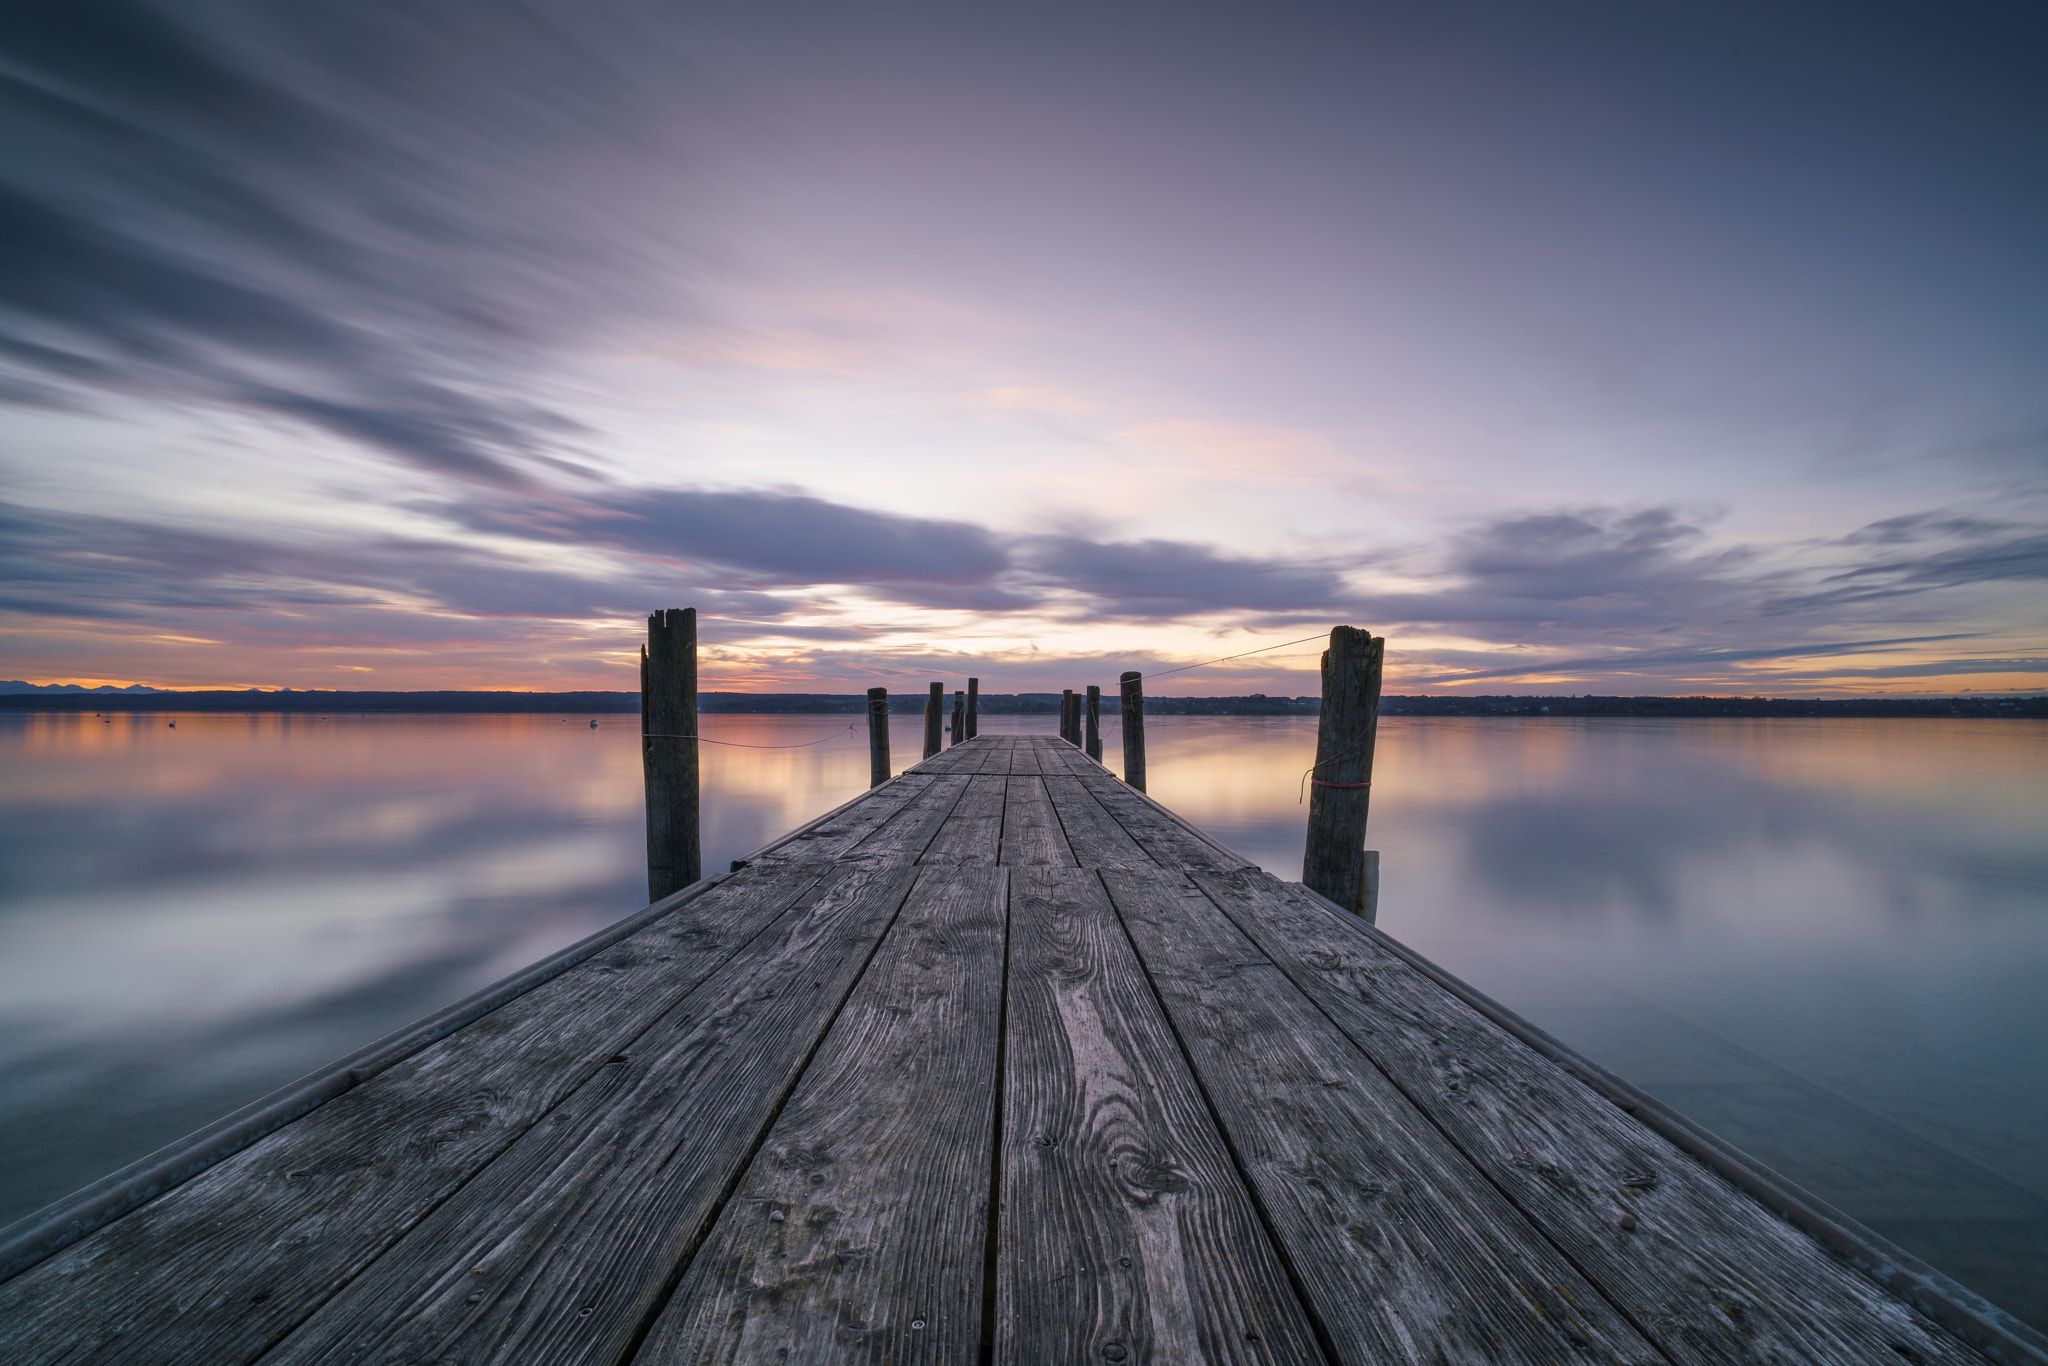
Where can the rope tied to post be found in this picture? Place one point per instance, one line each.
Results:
(1308, 781)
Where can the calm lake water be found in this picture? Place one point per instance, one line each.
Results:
(1826, 940)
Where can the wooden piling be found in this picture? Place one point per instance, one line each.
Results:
(1341, 783)
(1094, 735)
(1132, 686)
(878, 737)
(959, 732)
(1067, 715)
(973, 707)
(934, 708)
(668, 751)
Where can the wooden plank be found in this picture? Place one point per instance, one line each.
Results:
(1031, 829)
(562, 1249)
(879, 1168)
(1403, 1251)
(1708, 1273)
(973, 832)
(848, 826)
(1097, 840)
(996, 755)
(907, 832)
(1126, 1233)
(1171, 843)
(1024, 757)
(952, 759)
(227, 1263)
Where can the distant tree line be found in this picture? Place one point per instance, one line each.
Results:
(1014, 704)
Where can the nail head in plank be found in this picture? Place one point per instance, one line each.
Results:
(572, 1236)
(878, 1168)
(1031, 828)
(1708, 1273)
(1125, 1225)
(1403, 1249)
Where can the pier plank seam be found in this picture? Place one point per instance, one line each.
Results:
(1708, 1277)
(973, 830)
(1096, 838)
(823, 1251)
(1405, 1251)
(1032, 833)
(569, 1239)
(1232, 1042)
(221, 1268)
(911, 828)
(1132, 1229)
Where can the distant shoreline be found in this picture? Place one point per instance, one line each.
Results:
(1013, 704)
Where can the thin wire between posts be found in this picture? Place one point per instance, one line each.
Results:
(1247, 654)
(735, 744)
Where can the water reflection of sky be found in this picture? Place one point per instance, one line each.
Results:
(1826, 939)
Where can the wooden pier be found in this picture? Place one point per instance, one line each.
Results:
(999, 1062)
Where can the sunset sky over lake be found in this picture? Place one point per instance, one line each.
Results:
(1574, 348)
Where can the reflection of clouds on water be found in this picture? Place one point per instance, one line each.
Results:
(190, 923)
(196, 917)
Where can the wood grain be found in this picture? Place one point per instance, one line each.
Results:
(1096, 838)
(1707, 1273)
(995, 756)
(973, 832)
(1124, 1226)
(910, 828)
(879, 1167)
(227, 1263)
(1402, 1248)
(829, 839)
(562, 1249)
(1031, 829)
(1170, 843)
(1340, 788)
(668, 708)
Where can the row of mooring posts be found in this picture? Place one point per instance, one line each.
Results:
(1336, 862)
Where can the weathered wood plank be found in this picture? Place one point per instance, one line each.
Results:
(952, 759)
(1024, 757)
(560, 1251)
(848, 826)
(1706, 1272)
(910, 828)
(1125, 1232)
(1170, 842)
(222, 1266)
(1403, 1251)
(995, 755)
(858, 1231)
(1031, 829)
(1096, 838)
(973, 832)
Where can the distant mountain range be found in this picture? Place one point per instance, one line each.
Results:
(71, 697)
(12, 686)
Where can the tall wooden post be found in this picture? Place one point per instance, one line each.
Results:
(1341, 785)
(1067, 715)
(933, 708)
(1132, 686)
(959, 731)
(878, 736)
(1095, 723)
(668, 751)
(973, 707)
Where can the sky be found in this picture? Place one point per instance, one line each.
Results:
(1610, 348)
